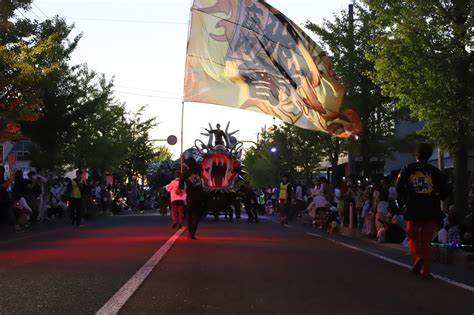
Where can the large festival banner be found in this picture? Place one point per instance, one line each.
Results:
(246, 54)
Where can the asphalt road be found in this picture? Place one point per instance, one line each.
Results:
(233, 268)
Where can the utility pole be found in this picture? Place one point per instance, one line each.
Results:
(351, 81)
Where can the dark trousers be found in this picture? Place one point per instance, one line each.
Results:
(251, 211)
(238, 209)
(75, 206)
(193, 214)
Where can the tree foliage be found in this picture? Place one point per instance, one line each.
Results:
(423, 58)
(298, 153)
(30, 53)
(69, 112)
(377, 112)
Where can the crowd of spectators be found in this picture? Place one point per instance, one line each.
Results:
(374, 206)
(27, 199)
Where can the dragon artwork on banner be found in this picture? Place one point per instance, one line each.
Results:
(247, 54)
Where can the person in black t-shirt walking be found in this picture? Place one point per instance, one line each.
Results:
(421, 187)
(191, 181)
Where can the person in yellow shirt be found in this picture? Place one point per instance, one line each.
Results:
(284, 199)
(76, 190)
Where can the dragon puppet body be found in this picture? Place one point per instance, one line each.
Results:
(220, 165)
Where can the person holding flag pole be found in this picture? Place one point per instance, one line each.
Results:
(248, 55)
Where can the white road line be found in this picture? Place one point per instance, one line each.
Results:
(447, 280)
(119, 299)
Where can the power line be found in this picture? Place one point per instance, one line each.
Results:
(32, 11)
(37, 7)
(152, 96)
(119, 20)
(146, 90)
(47, 17)
(22, 14)
(124, 21)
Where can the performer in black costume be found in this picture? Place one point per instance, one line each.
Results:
(219, 134)
(250, 201)
(194, 195)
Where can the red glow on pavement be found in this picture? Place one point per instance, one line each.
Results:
(91, 246)
(118, 240)
(119, 244)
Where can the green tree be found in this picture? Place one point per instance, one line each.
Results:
(423, 57)
(28, 57)
(140, 151)
(348, 47)
(299, 150)
(298, 154)
(100, 138)
(162, 153)
(262, 168)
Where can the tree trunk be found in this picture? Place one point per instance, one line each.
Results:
(335, 171)
(461, 181)
(334, 164)
(366, 166)
(440, 159)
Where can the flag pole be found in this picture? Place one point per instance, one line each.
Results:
(182, 135)
(182, 102)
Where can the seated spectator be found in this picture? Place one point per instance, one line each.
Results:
(365, 209)
(381, 217)
(468, 228)
(454, 231)
(269, 207)
(369, 225)
(309, 215)
(22, 212)
(394, 230)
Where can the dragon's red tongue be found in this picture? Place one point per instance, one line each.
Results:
(218, 181)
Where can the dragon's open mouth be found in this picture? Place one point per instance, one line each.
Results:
(218, 171)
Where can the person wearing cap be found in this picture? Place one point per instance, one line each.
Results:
(421, 187)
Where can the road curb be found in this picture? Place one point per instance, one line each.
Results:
(442, 255)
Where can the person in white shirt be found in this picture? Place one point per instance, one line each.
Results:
(178, 198)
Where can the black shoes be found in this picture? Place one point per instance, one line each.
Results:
(417, 267)
(427, 276)
(174, 226)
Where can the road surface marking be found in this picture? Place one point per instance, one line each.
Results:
(447, 280)
(119, 299)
